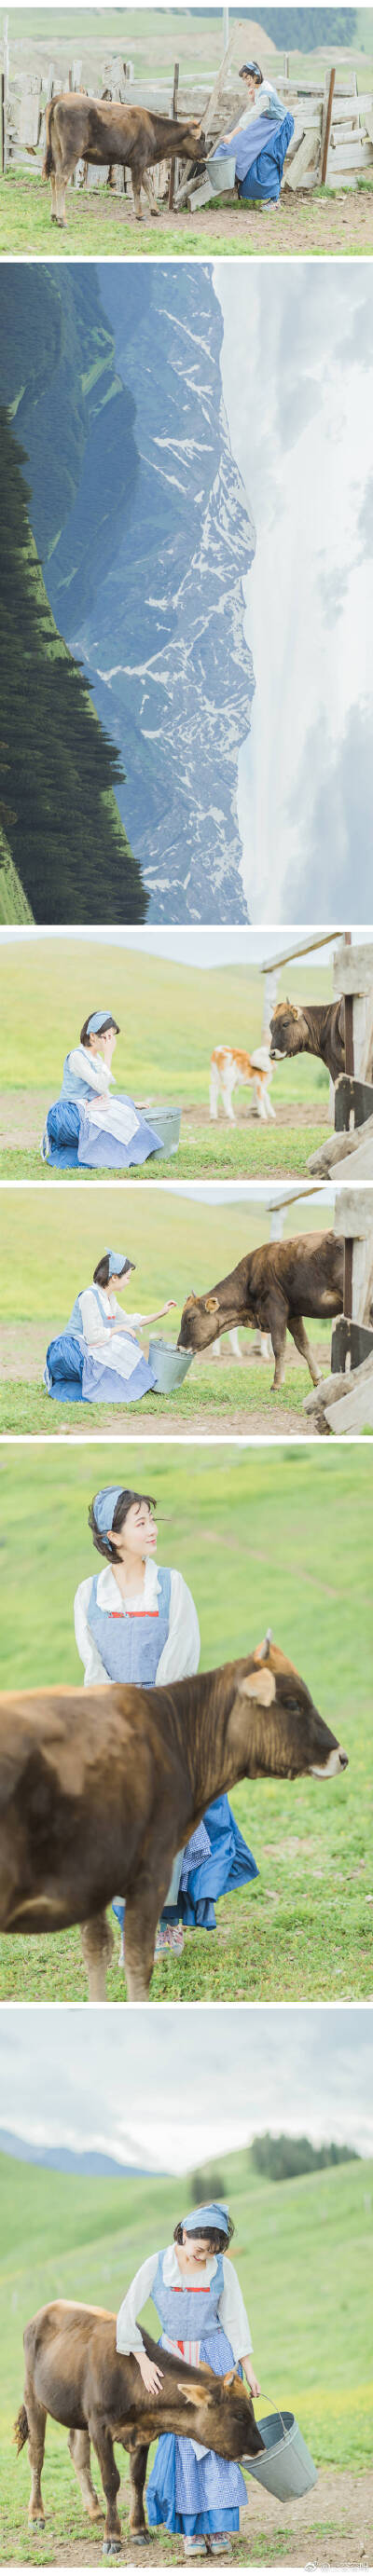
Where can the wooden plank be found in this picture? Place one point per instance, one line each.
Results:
(349, 156)
(328, 119)
(341, 108)
(2, 125)
(354, 968)
(307, 153)
(361, 1159)
(173, 170)
(353, 1412)
(349, 1034)
(354, 1214)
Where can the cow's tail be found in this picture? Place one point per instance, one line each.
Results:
(20, 2429)
(48, 163)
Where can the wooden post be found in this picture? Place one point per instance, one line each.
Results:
(347, 1278)
(2, 126)
(171, 184)
(324, 163)
(349, 1021)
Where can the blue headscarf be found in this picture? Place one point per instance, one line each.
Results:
(117, 1262)
(104, 1507)
(214, 2214)
(97, 1021)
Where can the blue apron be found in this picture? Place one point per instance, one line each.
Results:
(216, 1860)
(188, 2492)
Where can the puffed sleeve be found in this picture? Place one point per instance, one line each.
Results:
(94, 1328)
(232, 2313)
(80, 1061)
(94, 1670)
(180, 1656)
(129, 2337)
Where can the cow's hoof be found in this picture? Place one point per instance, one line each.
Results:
(140, 2539)
(112, 2548)
(36, 2519)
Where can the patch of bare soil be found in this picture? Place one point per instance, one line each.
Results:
(297, 226)
(22, 1352)
(23, 1113)
(288, 1114)
(333, 2527)
(22, 1117)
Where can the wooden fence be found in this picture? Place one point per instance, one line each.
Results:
(344, 1401)
(353, 1098)
(333, 123)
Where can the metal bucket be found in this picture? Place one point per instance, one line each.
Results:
(285, 2468)
(167, 1122)
(170, 1366)
(221, 172)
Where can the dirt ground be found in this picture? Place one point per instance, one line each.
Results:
(333, 2527)
(22, 1117)
(297, 227)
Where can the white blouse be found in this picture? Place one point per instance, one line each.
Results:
(91, 1068)
(93, 1329)
(231, 2309)
(180, 1656)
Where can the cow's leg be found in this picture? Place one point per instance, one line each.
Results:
(80, 2454)
(99, 2434)
(278, 1322)
(53, 198)
(142, 1914)
(234, 1343)
(302, 1344)
(97, 1946)
(138, 2468)
(148, 184)
(214, 1091)
(64, 172)
(259, 1096)
(269, 1109)
(227, 1084)
(36, 2418)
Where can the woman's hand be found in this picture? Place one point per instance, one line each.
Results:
(253, 2383)
(171, 1301)
(152, 2377)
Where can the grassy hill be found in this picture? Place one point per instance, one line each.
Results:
(170, 1017)
(263, 1539)
(13, 902)
(175, 1243)
(302, 2254)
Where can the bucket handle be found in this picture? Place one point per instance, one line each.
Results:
(270, 2401)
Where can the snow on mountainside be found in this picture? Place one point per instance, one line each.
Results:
(164, 642)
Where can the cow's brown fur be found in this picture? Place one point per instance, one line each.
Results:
(100, 1788)
(92, 129)
(74, 2373)
(310, 1028)
(273, 1288)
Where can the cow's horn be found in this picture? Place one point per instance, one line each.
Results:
(261, 1652)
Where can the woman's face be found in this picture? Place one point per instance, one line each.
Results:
(108, 1041)
(197, 2246)
(250, 85)
(139, 1534)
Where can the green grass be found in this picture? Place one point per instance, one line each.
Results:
(264, 1538)
(247, 1152)
(210, 1396)
(302, 2251)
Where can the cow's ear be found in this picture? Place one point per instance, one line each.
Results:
(211, 1305)
(229, 2378)
(260, 1686)
(193, 2396)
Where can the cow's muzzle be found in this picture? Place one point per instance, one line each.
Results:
(336, 1761)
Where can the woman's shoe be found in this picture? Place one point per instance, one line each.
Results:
(161, 1940)
(195, 2546)
(169, 1936)
(219, 2544)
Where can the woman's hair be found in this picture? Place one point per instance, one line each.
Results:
(218, 2237)
(254, 70)
(104, 1545)
(102, 1273)
(86, 1033)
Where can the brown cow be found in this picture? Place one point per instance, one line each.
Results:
(272, 1288)
(74, 2373)
(90, 129)
(100, 1788)
(314, 1028)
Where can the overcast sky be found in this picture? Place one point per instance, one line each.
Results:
(297, 369)
(202, 948)
(182, 2085)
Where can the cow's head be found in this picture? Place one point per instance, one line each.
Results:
(203, 1318)
(274, 1729)
(224, 2417)
(194, 141)
(289, 1031)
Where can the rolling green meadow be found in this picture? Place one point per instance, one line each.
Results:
(49, 1251)
(170, 1018)
(264, 1539)
(302, 2251)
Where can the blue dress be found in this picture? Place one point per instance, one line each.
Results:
(76, 1374)
(70, 1138)
(186, 2492)
(216, 1861)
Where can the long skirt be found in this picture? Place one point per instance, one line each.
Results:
(189, 2493)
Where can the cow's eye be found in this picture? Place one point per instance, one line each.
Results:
(293, 1707)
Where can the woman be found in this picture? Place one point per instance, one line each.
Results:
(136, 1622)
(202, 2315)
(103, 1343)
(261, 139)
(108, 1131)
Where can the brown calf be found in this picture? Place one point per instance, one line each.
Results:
(312, 1029)
(100, 1788)
(74, 2373)
(272, 1288)
(91, 129)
